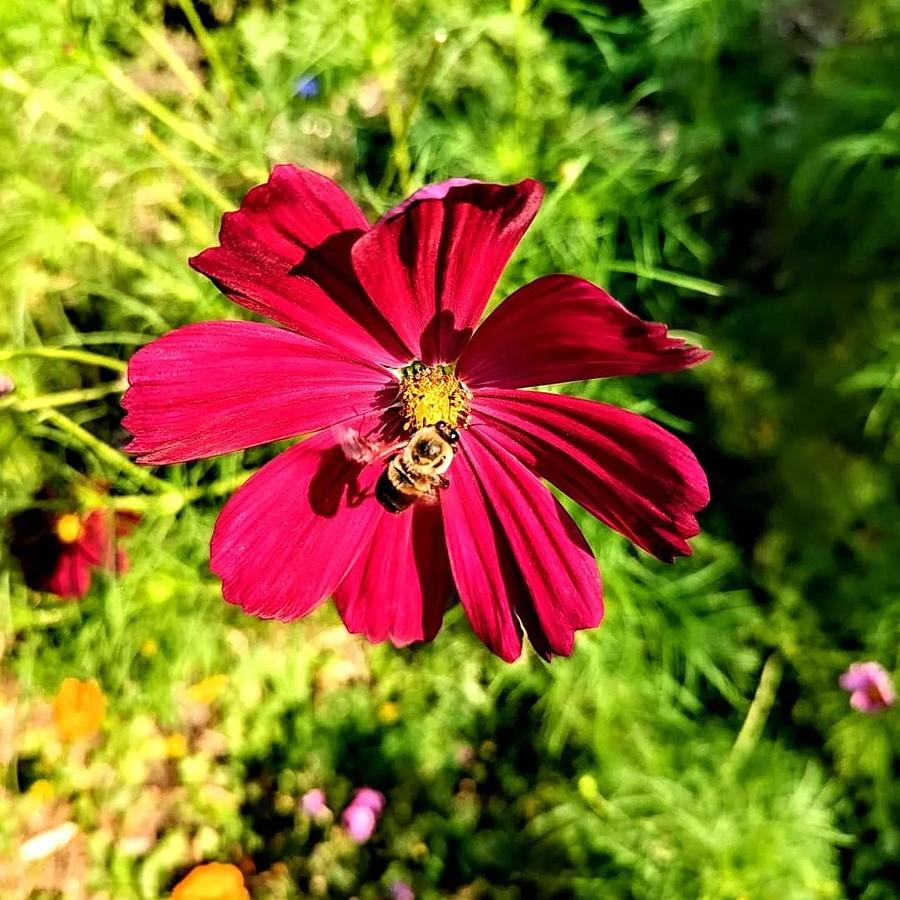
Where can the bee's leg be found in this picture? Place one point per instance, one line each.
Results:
(442, 482)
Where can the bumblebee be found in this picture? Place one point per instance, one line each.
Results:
(416, 473)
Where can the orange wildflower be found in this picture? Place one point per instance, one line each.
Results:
(212, 881)
(79, 708)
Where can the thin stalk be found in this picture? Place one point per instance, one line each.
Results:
(400, 120)
(119, 80)
(760, 707)
(14, 82)
(83, 229)
(187, 171)
(209, 47)
(103, 451)
(193, 85)
(67, 353)
(217, 488)
(688, 282)
(174, 499)
(62, 398)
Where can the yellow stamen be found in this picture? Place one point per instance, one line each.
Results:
(431, 394)
(69, 528)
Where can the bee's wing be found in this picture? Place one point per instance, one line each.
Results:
(357, 447)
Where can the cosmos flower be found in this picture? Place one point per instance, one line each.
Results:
(870, 687)
(58, 551)
(380, 336)
(361, 816)
(79, 708)
(212, 881)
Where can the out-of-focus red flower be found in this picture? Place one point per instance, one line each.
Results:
(870, 687)
(58, 551)
(212, 881)
(79, 708)
(381, 337)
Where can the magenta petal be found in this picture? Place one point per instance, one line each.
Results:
(483, 569)
(621, 467)
(399, 586)
(96, 543)
(215, 387)
(516, 555)
(431, 264)
(562, 582)
(561, 328)
(286, 255)
(287, 538)
(71, 575)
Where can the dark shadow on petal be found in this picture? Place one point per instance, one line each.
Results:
(336, 477)
(442, 341)
(330, 266)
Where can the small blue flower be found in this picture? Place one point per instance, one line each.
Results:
(306, 86)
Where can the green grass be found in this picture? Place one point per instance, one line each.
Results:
(727, 166)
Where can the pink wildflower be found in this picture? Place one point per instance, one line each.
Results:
(360, 823)
(870, 687)
(361, 816)
(313, 803)
(380, 337)
(370, 799)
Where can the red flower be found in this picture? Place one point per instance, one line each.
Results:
(380, 338)
(58, 551)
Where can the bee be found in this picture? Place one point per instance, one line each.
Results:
(416, 473)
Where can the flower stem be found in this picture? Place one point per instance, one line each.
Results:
(217, 488)
(181, 70)
(67, 353)
(119, 80)
(62, 398)
(187, 171)
(210, 50)
(759, 710)
(400, 120)
(103, 451)
(174, 499)
(678, 279)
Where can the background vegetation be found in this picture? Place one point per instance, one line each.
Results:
(729, 166)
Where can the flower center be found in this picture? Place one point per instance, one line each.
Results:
(68, 528)
(431, 394)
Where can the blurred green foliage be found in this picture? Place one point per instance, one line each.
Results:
(729, 166)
